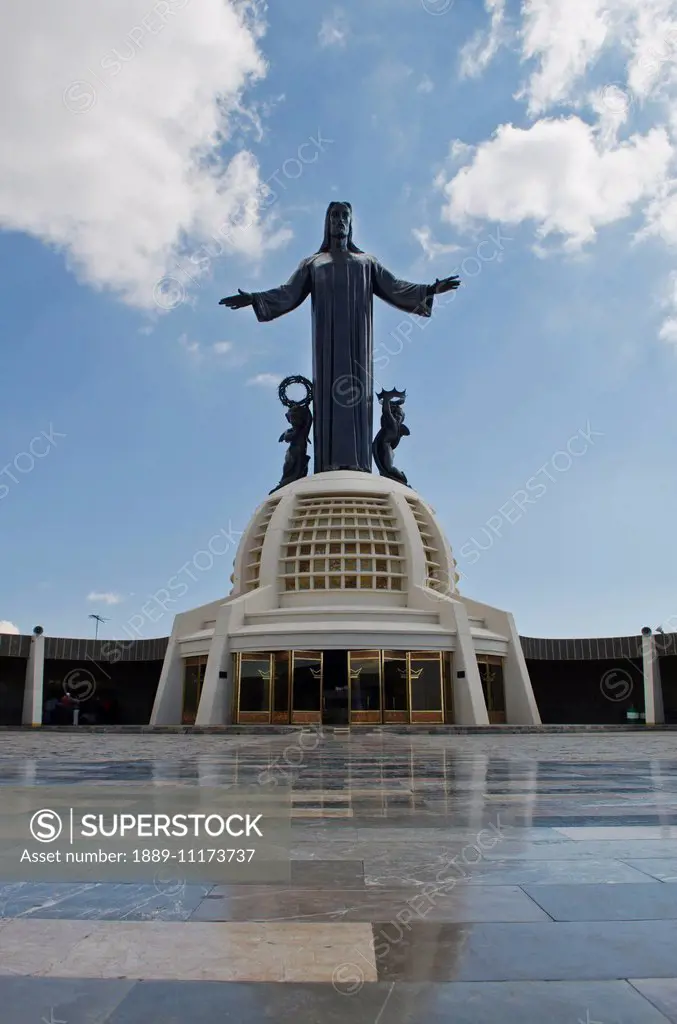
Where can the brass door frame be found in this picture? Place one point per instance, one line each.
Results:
(254, 717)
(495, 717)
(366, 717)
(397, 711)
(195, 661)
(448, 708)
(308, 717)
(426, 716)
(273, 713)
(235, 699)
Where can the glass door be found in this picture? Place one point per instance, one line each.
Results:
(395, 687)
(193, 680)
(448, 674)
(335, 695)
(254, 688)
(306, 701)
(425, 686)
(364, 669)
(491, 674)
(281, 690)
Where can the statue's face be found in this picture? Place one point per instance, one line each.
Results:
(339, 221)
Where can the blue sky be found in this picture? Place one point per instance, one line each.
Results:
(162, 424)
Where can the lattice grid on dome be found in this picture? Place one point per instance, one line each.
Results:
(252, 566)
(343, 542)
(435, 573)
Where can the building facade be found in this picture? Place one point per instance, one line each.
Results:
(590, 680)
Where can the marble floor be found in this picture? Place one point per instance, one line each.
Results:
(433, 878)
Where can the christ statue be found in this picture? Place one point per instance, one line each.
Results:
(341, 281)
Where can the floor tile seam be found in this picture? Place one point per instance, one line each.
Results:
(646, 998)
(647, 874)
(533, 900)
(138, 927)
(56, 960)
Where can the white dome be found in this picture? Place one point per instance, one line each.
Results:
(347, 536)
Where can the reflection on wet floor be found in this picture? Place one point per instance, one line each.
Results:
(473, 878)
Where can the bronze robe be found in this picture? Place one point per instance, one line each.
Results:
(342, 285)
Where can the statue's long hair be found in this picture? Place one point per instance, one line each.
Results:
(326, 243)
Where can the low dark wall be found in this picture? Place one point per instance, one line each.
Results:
(12, 679)
(668, 666)
(120, 694)
(586, 681)
(587, 692)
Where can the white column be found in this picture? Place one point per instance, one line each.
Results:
(653, 694)
(32, 709)
(168, 704)
(469, 704)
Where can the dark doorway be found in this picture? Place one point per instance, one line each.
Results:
(335, 688)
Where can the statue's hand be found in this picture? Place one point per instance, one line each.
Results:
(237, 301)
(447, 284)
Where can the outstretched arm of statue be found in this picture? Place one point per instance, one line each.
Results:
(238, 301)
(275, 302)
(447, 284)
(410, 298)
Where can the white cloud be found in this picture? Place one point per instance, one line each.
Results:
(481, 49)
(556, 175)
(612, 105)
(333, 30)
(430, 247)
(198, 351)
(111, 141)
(668, 330)
(264, 380)
(106, 597)
(567, 176)
(425, 85)
(8, 627)
(191, 347)
(565, 37)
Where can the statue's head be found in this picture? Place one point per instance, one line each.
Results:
(338, 224)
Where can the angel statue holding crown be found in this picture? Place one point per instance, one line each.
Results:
(393, 428)
(342, 281)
